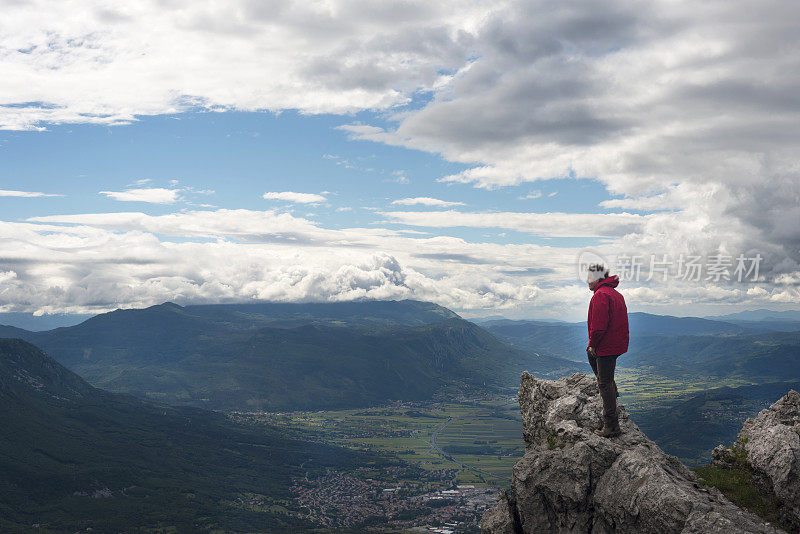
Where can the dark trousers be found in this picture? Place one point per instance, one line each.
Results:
(603, 367)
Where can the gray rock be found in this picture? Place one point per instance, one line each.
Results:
(772, 443)
(723, 456)
(501, 518)
(571, 480)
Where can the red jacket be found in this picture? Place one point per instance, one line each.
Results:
(608, 319)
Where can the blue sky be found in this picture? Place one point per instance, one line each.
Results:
(229, 159)
(469, 154)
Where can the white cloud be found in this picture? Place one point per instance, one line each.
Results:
(25, 194)
(535, 193)
(243, 225)
(95, 62)
(427, 201)
(154, 195)
(545, 224)
(291, 196)
(675, 197)
(651, 203)
(95, 262)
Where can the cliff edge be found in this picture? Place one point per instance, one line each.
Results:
(769, 445)
(572, 481)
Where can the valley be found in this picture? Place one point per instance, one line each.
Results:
(397, 417)
(452, 459)
(479, 438)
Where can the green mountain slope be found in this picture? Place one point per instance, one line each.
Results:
(563, 340)
(73, 456)
(761, 357)
(691, 428)
(171, 355)
(14, 332)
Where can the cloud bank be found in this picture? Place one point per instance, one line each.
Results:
(96, 262)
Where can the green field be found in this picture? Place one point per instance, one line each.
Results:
(486, 436)
(642, 389)
(481, 439)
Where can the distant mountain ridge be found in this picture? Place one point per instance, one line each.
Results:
(669, 344)
(39, 323)
(285, 314)
(352, 313)
(289, 356)
(760, 315)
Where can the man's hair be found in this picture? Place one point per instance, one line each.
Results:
(599, 268)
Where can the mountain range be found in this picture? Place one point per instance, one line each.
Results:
(288, 356)
(759, 315)
(673, 346)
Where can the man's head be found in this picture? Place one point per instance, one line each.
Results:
(597, 272)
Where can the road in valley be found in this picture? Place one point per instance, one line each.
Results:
(438, 449)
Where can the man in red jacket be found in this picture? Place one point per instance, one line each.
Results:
(608, 339)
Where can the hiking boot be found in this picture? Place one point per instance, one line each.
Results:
(610, 426)
(601, 419)
(609, 430)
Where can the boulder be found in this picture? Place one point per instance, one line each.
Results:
(571, 480)
(772, 443)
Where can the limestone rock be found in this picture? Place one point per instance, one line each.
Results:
(772, 443)
(571, 480)
(723, 456)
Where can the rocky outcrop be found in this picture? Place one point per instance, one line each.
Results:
(771, 446)
(571, 480)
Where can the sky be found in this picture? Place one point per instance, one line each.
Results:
(474, 154)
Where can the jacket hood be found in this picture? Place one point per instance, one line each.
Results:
(611, 281)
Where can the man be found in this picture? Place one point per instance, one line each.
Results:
(608, 339)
